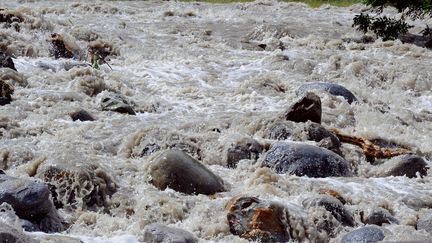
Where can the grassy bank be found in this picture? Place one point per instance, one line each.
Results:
(312, 3)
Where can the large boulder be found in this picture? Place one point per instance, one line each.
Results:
(9, 234)
(368, 234)
(6, 61)
(307, 108)
(305, 160)
(258, 220)
(158, 233)
(243, 148)
(403, 165)
(333, 89)
(179, 171)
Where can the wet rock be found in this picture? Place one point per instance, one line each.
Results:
(10, 19)
(333, 89)
(334, 206)
(379, 216)
(307, 108)
(279, 131)
(12, 77)
(81, 115)
(158, 233)
(368, 234)
(257, 220)
(9, 234)
(334, 194)
(6, 91)
(425, 223)
(244, 148)
(325, 138)
(77, 182)
(404, 165)
(305, 160)
(116, 102)
(6, 61)
(60, 49)
(179, 171)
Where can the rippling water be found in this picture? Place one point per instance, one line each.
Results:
(192, 69)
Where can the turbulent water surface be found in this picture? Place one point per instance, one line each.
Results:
(205, 74)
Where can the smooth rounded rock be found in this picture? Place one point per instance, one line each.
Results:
(116, 102)
(244, 148)
(334, 206)
(316, 132)
(307, 108)
(280, 131)
(379, 216)
(425, 223)
(333, 89)
(404, 165)
(81, 115)
(179, 171)
(258, 220)
(305, 160)
(158, 233)
(368, 234)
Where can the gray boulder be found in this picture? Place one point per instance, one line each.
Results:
(325, 138)
(116, 102)
(244, 148)
(404, 165)
(158, 233)
(334, 206)
(305, 160)
(280, 130)
(179, 171)
(333, 89)
(379, 216)
(307, 108)
(425, 222)
(9, 234)
(368, 234)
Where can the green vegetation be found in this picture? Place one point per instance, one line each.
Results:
(390, 28)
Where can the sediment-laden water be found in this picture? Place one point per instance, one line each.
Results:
(203, 75)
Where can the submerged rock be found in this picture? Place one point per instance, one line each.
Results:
(81, 115)
(6, 91)
(9, 234)
(179, 171)
(334, 206)
(257, 220)
(12, 77)
(244, 148)
(325, 138)
(425, 222)
(333, 89)
(116, 102)
(158, 233)
(368, 234)
(404, 165)
(379, 216)
(280, 131)
(305, 160)
(307, 108)
(6, 61)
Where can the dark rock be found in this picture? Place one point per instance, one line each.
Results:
(333, 89)
(305, 160)
(307, 108)
(279, 131)
(81, 115)
(179, 171)
(326, 139)
(404, 165)
(158, 233)
(116, 102)
(257, 220)
(150, 149)
(368, 234)
(334, 206)
(425, 223)
(6, 91)
(59, 48)
(10, 19)
(244, 148)
(6, 61)
(9, 234)
(379, 216)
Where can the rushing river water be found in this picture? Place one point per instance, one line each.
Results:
(206, 74)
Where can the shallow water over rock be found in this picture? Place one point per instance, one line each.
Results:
(198, 76)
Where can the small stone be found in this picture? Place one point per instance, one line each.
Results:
(81, 115)
(6, 91)
(305, 160)
(244, 148)
(334, 206)
(404, 165)
(307, 108)
(9, 234)
(280, 131)
(425, 222)
(158, 233)
(333, 89)
(116, 102)
(179, 171)
(257, 220)
(6, 61)
(368, 234)
(326, 139)
(379, 216)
